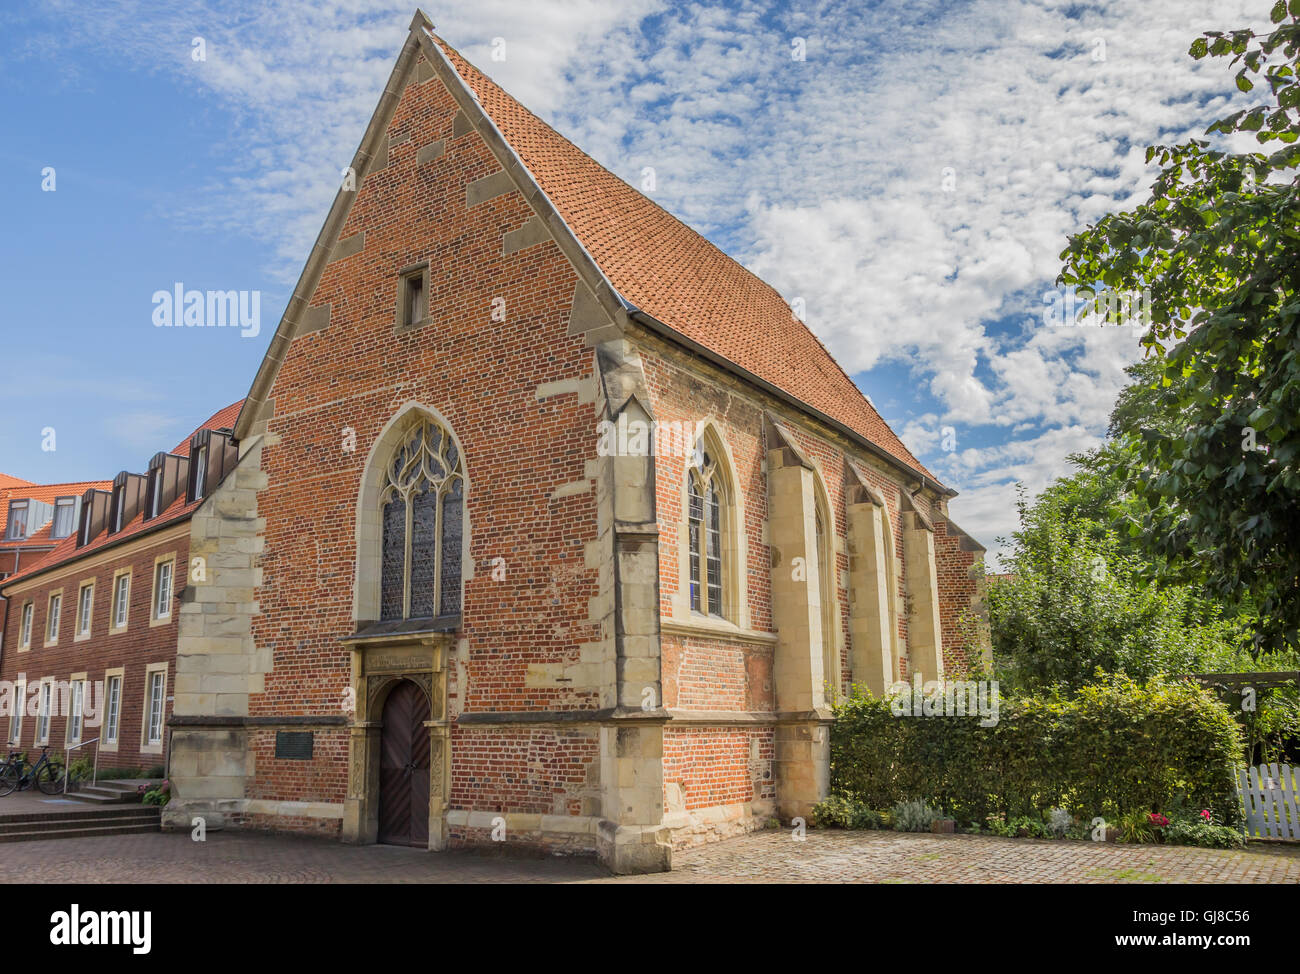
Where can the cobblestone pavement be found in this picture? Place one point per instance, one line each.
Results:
(772, 856)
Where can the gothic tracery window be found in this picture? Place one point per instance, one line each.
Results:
(420, 506)
(706, 494)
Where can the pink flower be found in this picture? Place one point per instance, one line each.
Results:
(1205, 814)
(1158, 820)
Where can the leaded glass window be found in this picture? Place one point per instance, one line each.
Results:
(705, 501)
(420, 506)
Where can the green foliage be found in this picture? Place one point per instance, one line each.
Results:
(1216, 248)
(1205, 834)
(80, 769)
(158, 796)
(1079, 600)
(914, 816)
(844, 813)
(1110, 748)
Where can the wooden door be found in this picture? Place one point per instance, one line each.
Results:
(404, 768)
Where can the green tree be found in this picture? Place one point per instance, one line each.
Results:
(1215, 250)
(1079, 599)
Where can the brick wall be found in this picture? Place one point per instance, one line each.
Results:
(521, 628)
(132, 649)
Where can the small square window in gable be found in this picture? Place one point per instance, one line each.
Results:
(413, 297)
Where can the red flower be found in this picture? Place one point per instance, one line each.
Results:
(1205, 814)
(1158, 820)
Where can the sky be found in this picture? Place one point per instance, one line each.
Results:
(906, 173)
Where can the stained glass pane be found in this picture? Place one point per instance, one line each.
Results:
(424, 552)
(393, 570)
(715, 552)
(452, 531)
(695, 526)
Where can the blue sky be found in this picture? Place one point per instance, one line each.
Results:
(912, 178)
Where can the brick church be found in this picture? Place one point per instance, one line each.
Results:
(550, 525)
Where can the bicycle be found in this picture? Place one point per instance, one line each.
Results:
(46, 774)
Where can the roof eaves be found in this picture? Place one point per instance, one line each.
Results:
(328, 236)
(657, 326)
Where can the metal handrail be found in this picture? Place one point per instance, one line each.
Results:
(67, 772)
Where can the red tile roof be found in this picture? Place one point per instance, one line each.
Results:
(8, 481)
(47, 493)
(222, 419)
(66, 549)
(674, 274)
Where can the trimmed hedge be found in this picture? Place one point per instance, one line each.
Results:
(1110, 749)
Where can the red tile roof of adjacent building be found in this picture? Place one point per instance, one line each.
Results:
(675, 275)
(47, 493)
(222, 419)
(8, 481)
(66, 550)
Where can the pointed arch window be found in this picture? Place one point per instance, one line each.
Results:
(706, 525)
(421, 512)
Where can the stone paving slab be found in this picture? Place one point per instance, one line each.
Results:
(763, 857)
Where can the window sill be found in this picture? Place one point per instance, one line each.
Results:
(713, 628)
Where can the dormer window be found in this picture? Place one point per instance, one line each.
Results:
(119, 507)
(155, 491)
(65, 516)
(16, 527)
(200, 472)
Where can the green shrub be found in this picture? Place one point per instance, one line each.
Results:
(914, 816)
(1112, 748)
(80, 769)
(844, 813)
(1204, 834)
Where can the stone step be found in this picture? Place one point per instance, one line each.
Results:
(111, 814)
(96, 796)
(81, 832)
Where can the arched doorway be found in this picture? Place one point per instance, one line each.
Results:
(404, 767)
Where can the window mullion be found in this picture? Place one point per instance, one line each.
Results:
(406, 562)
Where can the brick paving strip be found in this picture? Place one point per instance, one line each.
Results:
(770, 856)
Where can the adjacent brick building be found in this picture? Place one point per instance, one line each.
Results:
(551, 523)
(90, 629)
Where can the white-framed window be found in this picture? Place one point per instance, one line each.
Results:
(85, 602)
(162, 589)
(25, 630)
(77, 702)
(200, 472)
(65, 514)
(112, 709)
(155, 491)
(155, 699)
(16, 526)
(121, 599)
(43, 715)
(16, 718)
(52, 618)
(119, 509)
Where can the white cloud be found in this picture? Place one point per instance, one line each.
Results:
(827, 176)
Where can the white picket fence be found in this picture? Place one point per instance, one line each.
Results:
(1270, 797)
